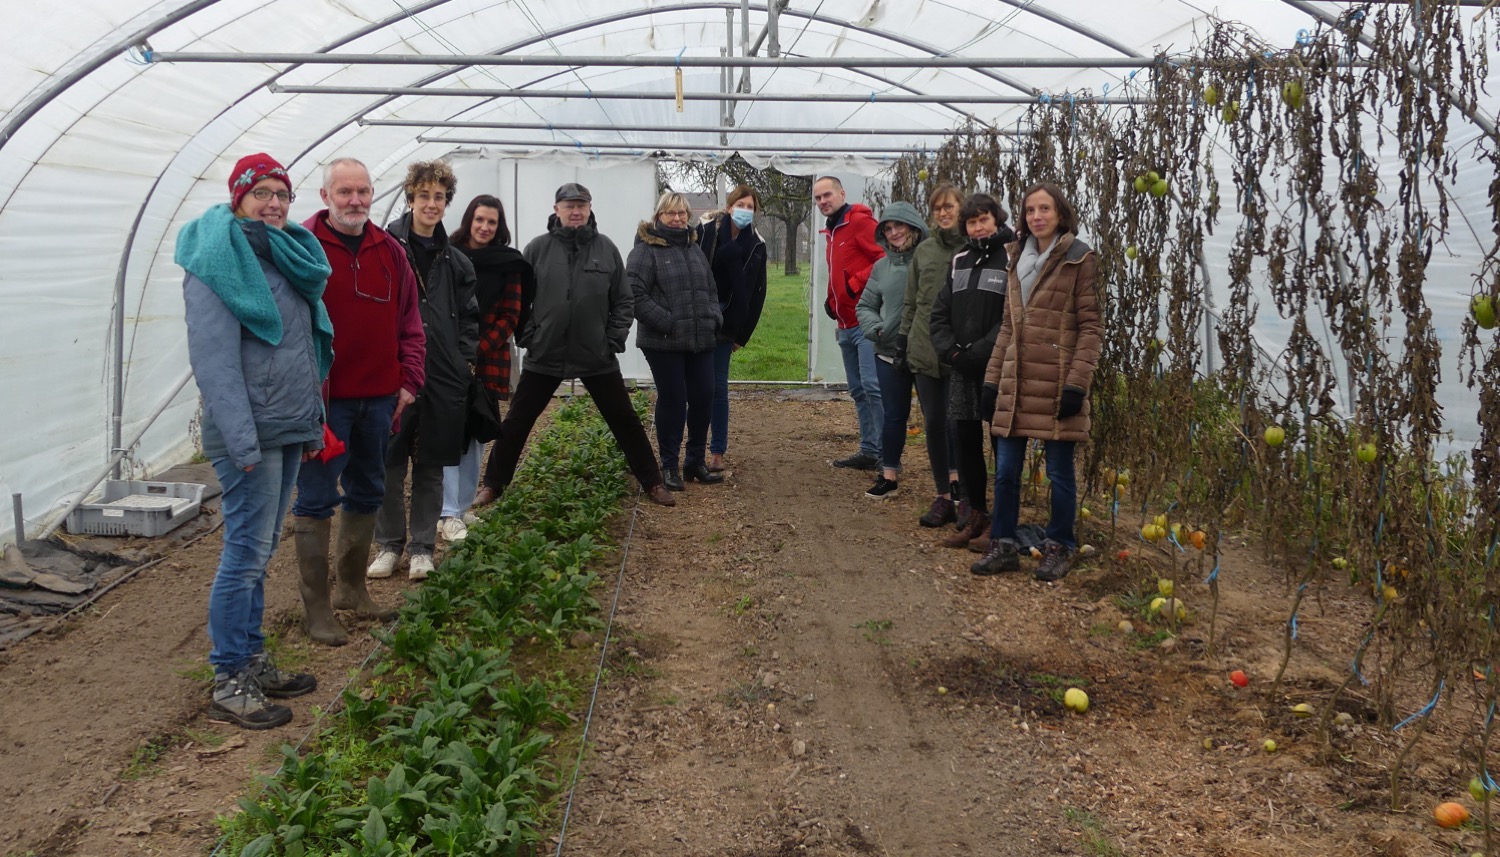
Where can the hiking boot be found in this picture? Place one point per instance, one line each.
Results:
(419, 566)
(883, 489)
(715, 463)
(384, 565)
(671, 479)
(979, 524)
(238, 699)
(452, 530)
(981, 542)
(857, 461)
(311, 537)
(485, 496)
(1057, 561)
(961, 513)
(352, 549)
(939, 513)
(1002, 556)
(659, 495)
(278, 684)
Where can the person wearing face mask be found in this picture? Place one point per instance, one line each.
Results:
(677, 308)
(737, 256)
(260, 343)
(965, 321)
(931, 262)
(879, 311)
(430, 435)
(1036, 384)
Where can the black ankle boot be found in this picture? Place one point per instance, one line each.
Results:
(672, 479)
(701, 473)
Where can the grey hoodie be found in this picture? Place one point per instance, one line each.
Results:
(879, 309)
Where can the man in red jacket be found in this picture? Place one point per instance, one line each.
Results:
(852, 252)
(379, 354)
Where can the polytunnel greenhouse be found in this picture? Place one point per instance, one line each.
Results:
(1294, 213)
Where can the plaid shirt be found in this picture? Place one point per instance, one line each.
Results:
(496, 326)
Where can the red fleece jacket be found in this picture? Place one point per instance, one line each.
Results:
(852, 252)
(378, 343)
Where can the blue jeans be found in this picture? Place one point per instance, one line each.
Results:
(684, 394)
(461, 481)
(895, 404)
(1010, 456)
(864, 387)
(254, 506)
(364, 425)
(718, 417)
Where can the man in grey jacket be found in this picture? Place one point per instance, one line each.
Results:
(576, 325)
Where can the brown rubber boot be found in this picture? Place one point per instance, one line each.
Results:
(312, 560)
(352, 554)
(979, 525)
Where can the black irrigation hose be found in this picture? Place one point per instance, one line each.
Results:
(609, 626)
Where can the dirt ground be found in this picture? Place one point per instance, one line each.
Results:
(796, 669)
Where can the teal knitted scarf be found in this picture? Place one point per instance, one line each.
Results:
(214, 249)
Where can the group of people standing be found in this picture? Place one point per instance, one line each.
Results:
(341, 359)
(988, 325)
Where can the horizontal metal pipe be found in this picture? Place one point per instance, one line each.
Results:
(674, 129)
(667, 147)
(630, 95)
(653, 61)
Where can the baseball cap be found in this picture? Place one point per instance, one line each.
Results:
(574, 190)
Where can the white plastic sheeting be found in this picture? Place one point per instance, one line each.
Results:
(103, 156)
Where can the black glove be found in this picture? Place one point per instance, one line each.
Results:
(989, 399)
(901, 353)
(828, 309)
(1071, 404)
(951, 358)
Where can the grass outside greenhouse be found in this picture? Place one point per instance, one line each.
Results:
(778, 351)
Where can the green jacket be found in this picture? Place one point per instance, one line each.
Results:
(880, 305)
(929, 270)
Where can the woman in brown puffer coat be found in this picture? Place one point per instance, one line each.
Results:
(1039, 374)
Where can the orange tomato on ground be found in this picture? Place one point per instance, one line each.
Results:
(1239, 678)
(1450, 814)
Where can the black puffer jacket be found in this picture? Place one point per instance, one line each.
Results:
(969, 308)
(676, 300)
(450, 319)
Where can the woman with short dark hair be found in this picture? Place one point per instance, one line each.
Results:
(1039, 373)
(965, 322)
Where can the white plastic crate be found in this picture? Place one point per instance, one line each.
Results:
(135, 508)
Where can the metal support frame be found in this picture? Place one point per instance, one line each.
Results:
(672, 147)
(633, 95)
(730, 61)
(843, 131)
(1485, 124)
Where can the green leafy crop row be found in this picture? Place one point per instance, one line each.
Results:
(446, 749)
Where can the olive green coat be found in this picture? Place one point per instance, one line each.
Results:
(929, 270)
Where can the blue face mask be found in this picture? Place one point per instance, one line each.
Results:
(742, 217)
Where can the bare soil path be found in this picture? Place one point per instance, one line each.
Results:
(796, 669)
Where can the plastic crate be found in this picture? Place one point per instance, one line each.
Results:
(134, 508)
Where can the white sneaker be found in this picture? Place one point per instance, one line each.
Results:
(384, 565)
(419, 567)
(470, 518)
(452, 529)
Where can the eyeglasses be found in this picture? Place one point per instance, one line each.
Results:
(265, 193)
